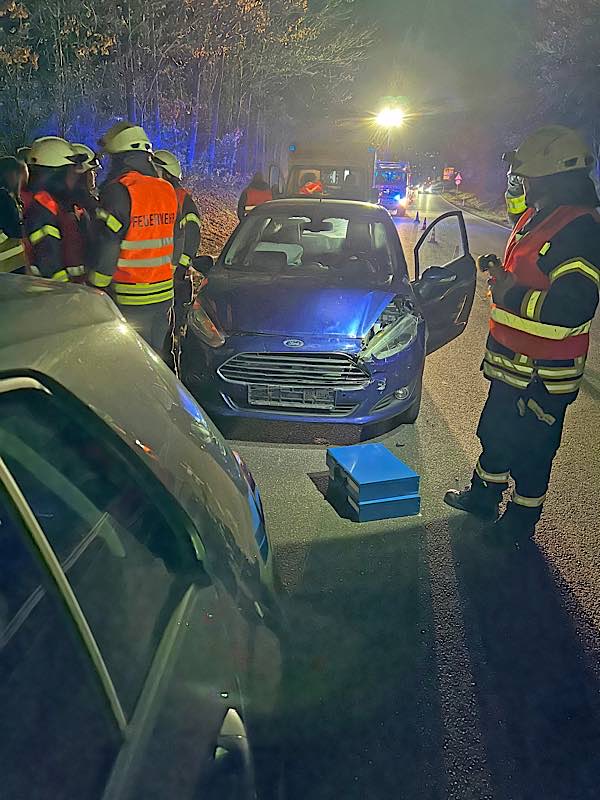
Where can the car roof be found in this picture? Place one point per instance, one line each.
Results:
(312, 205)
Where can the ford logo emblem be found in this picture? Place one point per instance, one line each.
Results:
(293, 342)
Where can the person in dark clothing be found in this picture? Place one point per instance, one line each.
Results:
(350, 188)
(56, 248)
(255, 194)
(135, 234)
(12, 251)
(545, 296)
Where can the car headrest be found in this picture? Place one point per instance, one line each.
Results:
(358, 238)
(269, 259)
(286, 234)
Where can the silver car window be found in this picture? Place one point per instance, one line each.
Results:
(113, 542)
(50, 697)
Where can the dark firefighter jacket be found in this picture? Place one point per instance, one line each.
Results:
(57, 236)
(188, 240)
(12, 250)
(571, 260)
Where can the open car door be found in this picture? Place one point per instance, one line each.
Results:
(445, 293)
(276, 181)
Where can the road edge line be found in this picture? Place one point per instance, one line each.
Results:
(506, 227)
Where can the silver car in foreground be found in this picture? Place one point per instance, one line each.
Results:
(139, 630)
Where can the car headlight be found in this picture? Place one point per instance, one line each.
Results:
(394, 331)
(204, 327)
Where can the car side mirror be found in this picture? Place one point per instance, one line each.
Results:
(203, 264)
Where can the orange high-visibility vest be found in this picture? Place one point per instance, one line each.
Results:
(312, 187)
(256, 197)
(144, 273)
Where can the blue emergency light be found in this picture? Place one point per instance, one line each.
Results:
(292, 148)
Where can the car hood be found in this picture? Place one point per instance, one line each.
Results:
(292, 306)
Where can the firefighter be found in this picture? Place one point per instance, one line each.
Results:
(134, 234)
(55, 246)
(312, 185)
(255, 194)
(514, 197)
(86, 190)
(189, 222)
(544, 298)
(12, 250)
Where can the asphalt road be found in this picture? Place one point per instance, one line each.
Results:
(428, 660)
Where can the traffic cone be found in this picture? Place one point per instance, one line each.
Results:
(417, 220)
(432, 239)
(456, 252)
(424, 228)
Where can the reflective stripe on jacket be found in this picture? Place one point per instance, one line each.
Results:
(12, 254)
(144, 272)
(42, 222)
(524, 333)
(67, 227)
(191, 225)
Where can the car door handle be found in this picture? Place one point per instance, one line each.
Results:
(232, 753)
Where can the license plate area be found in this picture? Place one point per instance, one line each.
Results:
(291, 397)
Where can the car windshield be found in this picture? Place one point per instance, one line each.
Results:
(391, 177)
(349, 248)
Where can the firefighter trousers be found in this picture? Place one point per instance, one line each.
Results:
(520, 432)
(151, 322)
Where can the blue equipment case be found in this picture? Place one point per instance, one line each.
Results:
(373, 483)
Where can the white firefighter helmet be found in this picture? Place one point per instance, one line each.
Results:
(125, 138)
(550, 151)
(169, 162)
(52, 151)
(91, 159)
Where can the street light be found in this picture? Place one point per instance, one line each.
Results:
(390, 118)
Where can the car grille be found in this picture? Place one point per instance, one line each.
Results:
(314, 370)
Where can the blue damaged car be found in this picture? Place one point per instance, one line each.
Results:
(309, 314)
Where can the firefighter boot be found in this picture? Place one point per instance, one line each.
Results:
(517, 522)
(479, 499)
